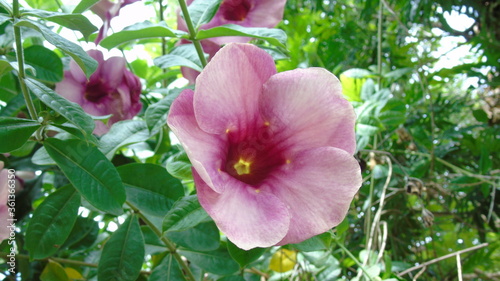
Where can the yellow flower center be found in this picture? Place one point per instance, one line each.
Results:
(242, 167)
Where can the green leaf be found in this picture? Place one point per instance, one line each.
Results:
(150, 187)
(73, 130)
(317, 243)
(41, 157)
(167, 270)
(179, 166)
(83, 6)
(6, 6)
(76, 22)
(276, 37)
(141, 30)
(86, 63)
(398, 73)
(232, 278)
(9, 89)
(156, 114)
(242, 257)
(218, 261)
(203, 237)
(43, 5)
(184, 55)
(123, 133)
(4, 18)
(152, 243)
(123, 254)
(352, 82)
(14, 132)
(69, 110)
(83, 235)
(48, 66)
(5, 67)
(202, 11)
(52, 222)
(53, 271)
(393, 114)
(480, 115)
(186, 213)
(90, 173)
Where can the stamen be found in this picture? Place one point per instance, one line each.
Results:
(242, 167)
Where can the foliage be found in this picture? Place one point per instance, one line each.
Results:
(123, 206)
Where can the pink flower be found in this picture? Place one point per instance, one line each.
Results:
(271, 152)
(248, 13)
(111, 89)
(107, 10)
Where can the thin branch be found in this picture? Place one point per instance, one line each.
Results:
(20, 64)
(63, 261)
(378, 214)
(192, 32)
(459, 268)
(355, 260)
(170, 245)
(442, 258)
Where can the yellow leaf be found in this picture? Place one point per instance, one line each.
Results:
(73, 274)
(283, 260)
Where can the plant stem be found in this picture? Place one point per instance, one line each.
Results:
(355, 260)
(64, 261)
(20, 63)
(379, 45)
(170, 245)
(192, 32)
(443, 258)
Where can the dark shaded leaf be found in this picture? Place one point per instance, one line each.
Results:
(90, 173)
(150, 188)
(52, 222)
(14, 132)
(140, 31)
(186, 213)
(123, 254)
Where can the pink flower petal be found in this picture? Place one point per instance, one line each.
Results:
(248, 13)
(71, 89)
(318, 186)
(307, 108)
(266, 13)
(248, 218)
(100, 128)
(112, 72)
(76, 72)
(231, 85)
(206, 151)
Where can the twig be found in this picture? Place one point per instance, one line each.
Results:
(171, 246)
(459, 268)
(63, 261)
(419, 274)
(355, 260)
(378, 214)
(442, 258)
(384, 241)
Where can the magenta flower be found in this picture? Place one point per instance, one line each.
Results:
(271, 152)
(111, 89)
(248, 13)
(107, 10)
